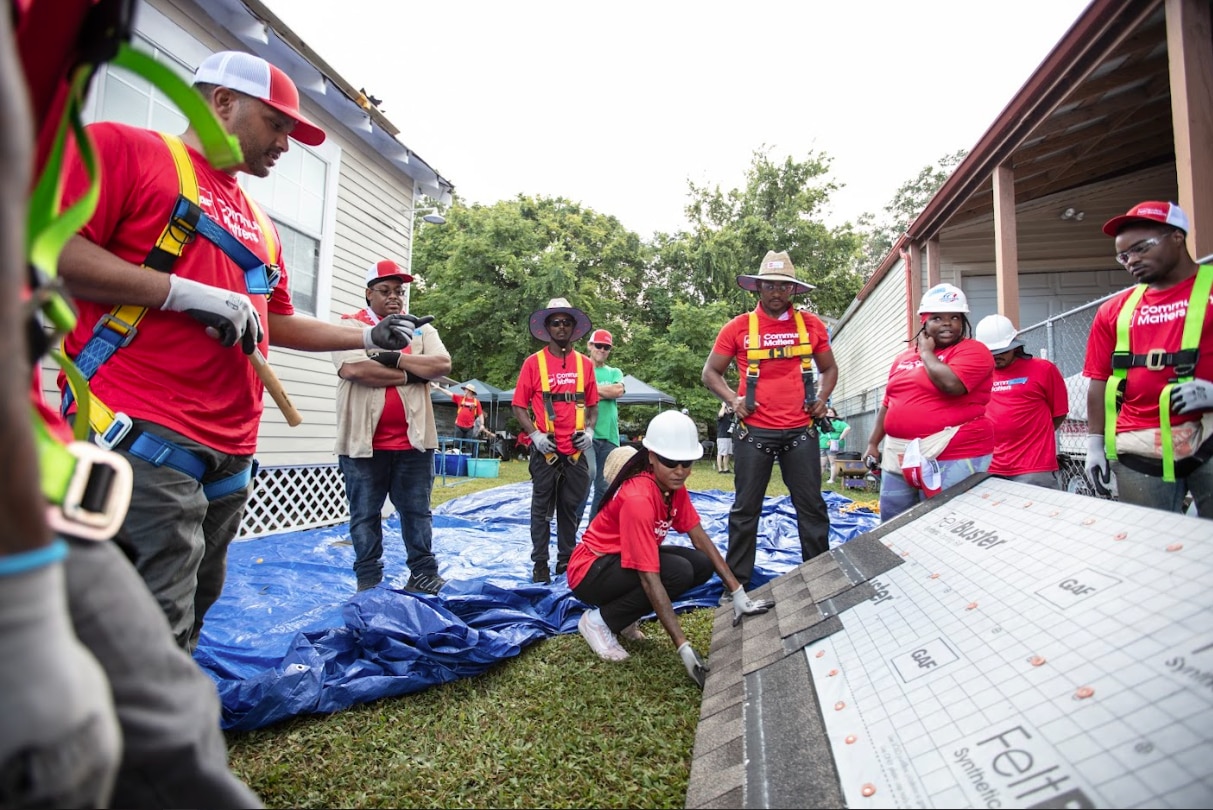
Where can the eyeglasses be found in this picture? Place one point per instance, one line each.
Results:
(606, 347)
(670, 464)
(1141, 247)
(772, 286)
(389, 292)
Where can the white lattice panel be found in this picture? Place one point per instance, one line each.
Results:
(292, 498)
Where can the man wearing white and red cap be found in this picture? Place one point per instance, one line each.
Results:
(606, 429)
(386, 435)
(1150, 363)
(169, 322)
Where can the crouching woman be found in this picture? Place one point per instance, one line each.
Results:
(622, 565)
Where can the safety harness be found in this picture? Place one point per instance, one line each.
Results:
(88, 487)
(116, 329)
(803, 349)
(1182, 362)
(549, 399)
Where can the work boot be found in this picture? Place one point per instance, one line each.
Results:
(561, 566)
(541, 573)
(425, 583)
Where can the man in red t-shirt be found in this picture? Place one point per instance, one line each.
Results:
(557, 386)
(1157, 362)
(1027, 404)
(386, 435)
(774, 416)
(467, 411)
(187, 403)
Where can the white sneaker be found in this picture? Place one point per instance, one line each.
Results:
(600, 638)
(633, 632)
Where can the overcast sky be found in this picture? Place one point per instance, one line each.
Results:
(616, 105)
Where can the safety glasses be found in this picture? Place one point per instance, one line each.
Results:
(606, 347)
(671, 464)
(1141, 247)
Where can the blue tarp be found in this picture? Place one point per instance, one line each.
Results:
(290, 636)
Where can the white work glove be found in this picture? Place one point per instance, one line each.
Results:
(229, 316)
(583, 440)
(394, 332)
(695, 665)
(743, 605)
(1196, 395)
(541, 442)
(60, 745)
(1097, 466)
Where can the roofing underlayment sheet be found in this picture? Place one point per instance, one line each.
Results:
(290, 636)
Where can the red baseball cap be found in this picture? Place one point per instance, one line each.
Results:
(256, 77)
(1166, 213)
(601, 336)
(386, 268)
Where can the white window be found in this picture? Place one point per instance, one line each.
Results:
(300, 194)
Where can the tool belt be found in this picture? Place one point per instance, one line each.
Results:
(775, 442)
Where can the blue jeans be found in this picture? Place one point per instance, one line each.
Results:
(896, 494)
(407, 478)
(1148, 490)
(602, 449)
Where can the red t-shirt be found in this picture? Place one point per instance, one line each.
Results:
(172, 373)
(1158, 323)
(392, 431)
(1026, 396)
(562, 379)
(916, 408)
(633, 524)
(780, 394)
(467, 409)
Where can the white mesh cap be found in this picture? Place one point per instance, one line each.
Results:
(253, 76)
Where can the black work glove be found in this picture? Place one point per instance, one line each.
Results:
(389, 359)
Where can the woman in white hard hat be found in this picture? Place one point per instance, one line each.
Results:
(621, 564)
(933, 418)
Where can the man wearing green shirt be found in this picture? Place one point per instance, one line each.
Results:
(606, 431)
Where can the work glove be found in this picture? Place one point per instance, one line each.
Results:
(394, 332)
(1097, 466)
(582, 440)
(695, 665)
(1195, 395)
(541, 442)
(61, 744)
(229, 316)
(389, 359)
(743, 605)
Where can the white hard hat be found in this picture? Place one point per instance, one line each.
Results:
(944, 298)
(674, 436)
(998, 333)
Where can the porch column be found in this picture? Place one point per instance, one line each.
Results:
(1006, 252)
(1190, 57)
(932, 261)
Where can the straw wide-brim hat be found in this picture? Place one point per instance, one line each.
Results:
(470, 387)
(775, 267)
(615, 461)
(581, 321)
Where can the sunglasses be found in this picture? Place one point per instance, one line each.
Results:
(606, 347)
(772, 286)
(558, 323)
(671, 464)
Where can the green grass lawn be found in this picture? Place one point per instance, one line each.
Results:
(554, 727)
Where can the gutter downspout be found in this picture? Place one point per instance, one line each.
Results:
(910, 330)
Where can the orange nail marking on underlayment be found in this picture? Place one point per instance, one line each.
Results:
(1036, 660)
(1120, 536)
(851, 739)
(1027, 504)
(832, 673)
(821, 653)
(1084, 692)
(971, 606)
(868, 790)
(985, 495)
(905, 554)
(1175, 547)
(1088, 521)
(839, 706)
(935, 576)
(1055, 513)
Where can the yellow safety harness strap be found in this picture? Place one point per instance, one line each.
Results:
(755, 354)
(549, 406)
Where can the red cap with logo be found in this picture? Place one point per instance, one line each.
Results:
(385, 268)
(1166, 213)
(256, 77)
(601, 336)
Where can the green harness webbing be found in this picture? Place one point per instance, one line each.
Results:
(1194, 319)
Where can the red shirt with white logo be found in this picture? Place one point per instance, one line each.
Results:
(467, 409)
(1158, 323)
(780, 394)
(916, 408)
(172, 373)
(562, 379)
(1026, 396)
(633, 524)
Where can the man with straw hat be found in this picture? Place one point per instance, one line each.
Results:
(775, 418)
(557, 386)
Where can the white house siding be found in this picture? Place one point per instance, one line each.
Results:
(865, 345)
